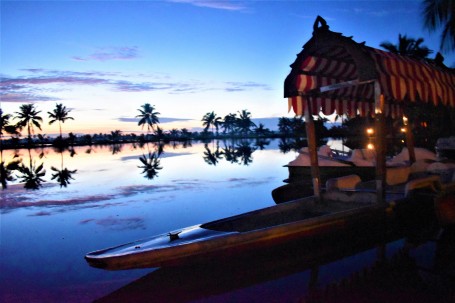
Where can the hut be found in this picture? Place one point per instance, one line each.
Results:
(333, 73)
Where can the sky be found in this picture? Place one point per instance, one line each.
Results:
(104, 59)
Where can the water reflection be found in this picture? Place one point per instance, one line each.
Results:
(233, 152)
(32, 174)
(381, 270)
(63, 175)
(150, 165)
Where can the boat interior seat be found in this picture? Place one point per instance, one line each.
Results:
(350, 196)
(398, 175)
(288, 212)
(403, 183)
(342, 183)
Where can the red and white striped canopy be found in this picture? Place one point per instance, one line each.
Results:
(329, 58)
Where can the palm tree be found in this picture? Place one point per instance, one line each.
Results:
(148, 116)
(244, 122)
(229, 123)
(28, 116)
(441, 13)
(261, 130)
(217, 123)
(4, 122)
(60, 114)
(208, 120)
(407, 47)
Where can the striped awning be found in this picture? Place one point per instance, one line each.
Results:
(333, 73)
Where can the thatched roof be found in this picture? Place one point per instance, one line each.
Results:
(335, 73)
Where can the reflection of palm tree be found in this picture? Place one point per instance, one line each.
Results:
(115, 148)
(28, 116)
(6, 173)
(438, 13)
(245, 152)
(285, 146)
(151, 165)
(230, 154)
(60, 114)
(32, 174)
(212, 158)
(261, 143)
(62, 175)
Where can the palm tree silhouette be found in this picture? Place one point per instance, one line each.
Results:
(407, 47)
(60, 114)
(229, 123)
(208, 120)
(28, 116)
(441, 13)
(4, 122)
(244, 122)
(212, 158)
(31, 175)
(150, 165)
(245, 152)
(148, 116)
(6, 172)
(62, 175)
(230, 154)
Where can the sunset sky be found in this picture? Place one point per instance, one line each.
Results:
(104, 59)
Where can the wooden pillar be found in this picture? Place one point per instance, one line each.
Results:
(312, 149)
(380, 145)
(409, 140)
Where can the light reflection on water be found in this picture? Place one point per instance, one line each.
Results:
(45, 233)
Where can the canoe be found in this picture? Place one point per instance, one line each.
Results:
(267, 227)
(199, 281)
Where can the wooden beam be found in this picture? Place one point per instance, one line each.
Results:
(409, 140)
(380, 145)
(312, 149)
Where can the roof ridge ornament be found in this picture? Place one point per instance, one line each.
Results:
(322, 22)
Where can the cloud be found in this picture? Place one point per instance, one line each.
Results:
(162, 119)
(25, 97)
(38, 83)
(118, 224)
(111, 53)
(216, 4)
(243, 86)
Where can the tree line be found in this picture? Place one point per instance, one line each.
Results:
(233, 125)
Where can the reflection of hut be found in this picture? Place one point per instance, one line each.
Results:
(333, 73)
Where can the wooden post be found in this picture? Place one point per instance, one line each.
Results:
(312, 149)
(380, 145)
(409, 140)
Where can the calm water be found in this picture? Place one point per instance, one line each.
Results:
(46, 232)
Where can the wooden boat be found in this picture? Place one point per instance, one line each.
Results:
(268, 227)
(199, 281)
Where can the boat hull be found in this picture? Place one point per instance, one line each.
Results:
(237, 235)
